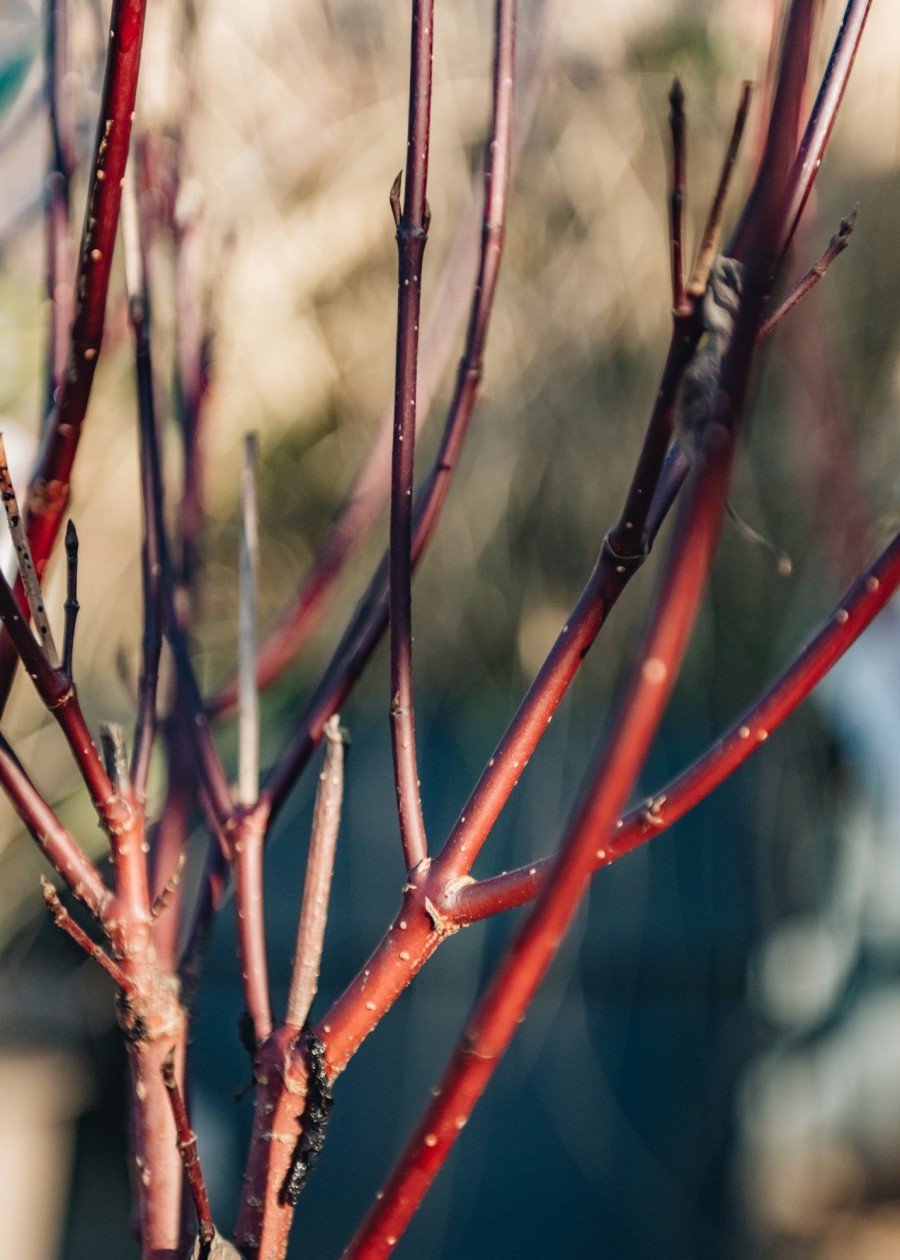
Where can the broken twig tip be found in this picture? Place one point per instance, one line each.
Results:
(676, 95)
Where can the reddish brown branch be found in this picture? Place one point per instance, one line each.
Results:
(187, 1149)
(48, 493)
(246, 855)
(836, 245)
(412, 233)
(59, 848)
(64, 920)
(57, 691)
(665, 807)
(709, 244)
(499, 1012)
(631, 731)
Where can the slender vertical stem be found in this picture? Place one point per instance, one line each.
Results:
(317, 885)
(248, 698)
(48, 492)
(709, 244)
(59, 244)
(676, 194)
(825, 109)
(836, 245)
(151, 487)
(412, 230)
(187, 1149)
(247, 864)
(71, 606)
(370, 618)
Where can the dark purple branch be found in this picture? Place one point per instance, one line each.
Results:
(676, 194)
(824, 113)
(412, 232)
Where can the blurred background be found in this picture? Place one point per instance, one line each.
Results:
(712, 1067)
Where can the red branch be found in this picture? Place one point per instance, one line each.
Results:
(59, 848)
(187, 1149)
(48, 493)
(665, 807)
(637, 716)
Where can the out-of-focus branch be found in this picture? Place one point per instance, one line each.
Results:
(48, 493)
(151, 489)
(71, 607)
(447, 311)
(709, 243)
(25, 564)
(248, 568)
(676, 194)
(61, 165)
(824, 113)
(317, 885)
(56, 690)
(60, 849)
(836, 245)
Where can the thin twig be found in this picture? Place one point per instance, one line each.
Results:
(48, 492)
(836, 245)
(64, 920)
(370, 619)
(136, 285)
(24, 562)
(676, 194)
(824, 112)
(363, 504)
(57, 227)
(412, 234)
(664, 807)
(317, 885)
(71, 606)
(60, 849)
(187, 1149)
(709, 244)
(58, 694)
(163, 899)
(248, 698)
